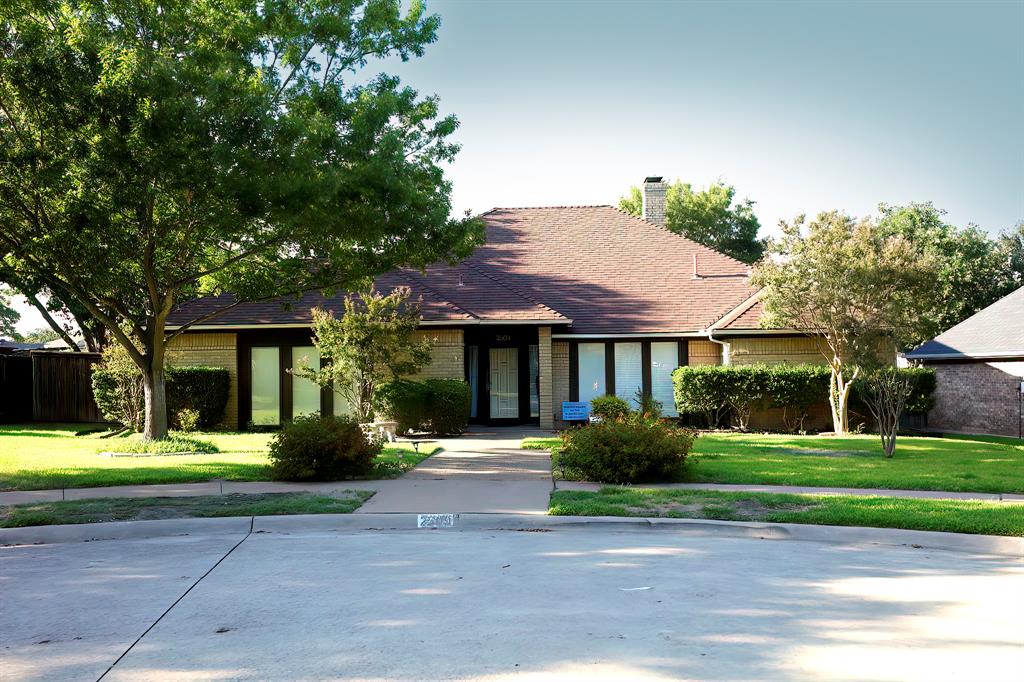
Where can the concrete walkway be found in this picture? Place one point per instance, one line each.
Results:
(483, 472)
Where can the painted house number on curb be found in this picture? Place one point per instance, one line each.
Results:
(436, 520)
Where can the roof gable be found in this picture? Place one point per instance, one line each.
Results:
(993, 332)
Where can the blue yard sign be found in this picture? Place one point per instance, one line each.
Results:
(575, 411)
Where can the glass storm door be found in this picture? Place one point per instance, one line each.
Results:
(504, 383)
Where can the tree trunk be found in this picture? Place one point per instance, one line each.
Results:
(155, 385)
(838, 400)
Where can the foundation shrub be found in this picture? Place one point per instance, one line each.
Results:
(314, 448)
(626, 451)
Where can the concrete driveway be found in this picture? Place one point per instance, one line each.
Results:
(483, 471)
(574, 603)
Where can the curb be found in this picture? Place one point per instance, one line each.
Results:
(313, 523)
(124, 530)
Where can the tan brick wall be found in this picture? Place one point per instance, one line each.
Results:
(545, 375)
(559, 379)
(447, 353)
(704, 353)
(211, 350)
(774, 351)
(977, 397)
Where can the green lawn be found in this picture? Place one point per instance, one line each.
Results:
(958, 464)
(954, 516)
(39, 456)
(137, 509)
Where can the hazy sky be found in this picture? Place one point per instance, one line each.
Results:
(803, 106)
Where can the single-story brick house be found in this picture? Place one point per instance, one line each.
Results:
(979, 367)
(560, 303)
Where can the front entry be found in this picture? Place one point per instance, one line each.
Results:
(503, 383)
(503, 374)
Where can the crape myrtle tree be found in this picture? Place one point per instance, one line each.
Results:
(157, 151)
(372, 342)
(860, 292)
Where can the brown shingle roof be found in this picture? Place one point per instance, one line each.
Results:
(608, 271)
(605, 271)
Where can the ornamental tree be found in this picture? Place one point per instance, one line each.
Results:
(373, 342)
(154, 152)
(859, 292)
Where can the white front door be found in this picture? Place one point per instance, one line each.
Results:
(504, 382)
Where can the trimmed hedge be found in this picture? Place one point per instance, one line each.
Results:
(715, 391)
(439, 406)
(203, 389)
(609, 408)
(922, 391)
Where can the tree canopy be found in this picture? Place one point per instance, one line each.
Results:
(712, 217)
(972, 270)
(155, 152)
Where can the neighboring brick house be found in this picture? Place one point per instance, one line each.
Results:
(979, 367)
(559, 303)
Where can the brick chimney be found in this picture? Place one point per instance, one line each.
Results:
(654, 200)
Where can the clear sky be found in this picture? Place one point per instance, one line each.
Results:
(803, 106)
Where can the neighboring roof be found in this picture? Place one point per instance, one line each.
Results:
(596, 267)
(994, 332)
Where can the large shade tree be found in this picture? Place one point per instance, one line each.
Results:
(972, 269)
(712, 216)
(860, 292)
(155, 151)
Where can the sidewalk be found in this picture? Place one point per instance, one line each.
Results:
(443, 491)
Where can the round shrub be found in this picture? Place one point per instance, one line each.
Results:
(609, 408)
(626, 451)
(402, 401)
(448, 406)
(314, 448)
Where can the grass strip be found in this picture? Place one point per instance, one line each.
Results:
(954, 516)
(103, 509)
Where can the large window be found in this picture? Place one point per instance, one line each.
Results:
(305, 393)
(266, 386)
(664, 360)
(591, 374)
(629, 377)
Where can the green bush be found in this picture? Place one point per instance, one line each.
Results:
(314, 448)
(203, 389)
(402, 401)
(796, 389)
(188, 420)
(174, 442)
(439, 406)
(117, 389)
(448, 405)
(609, 408)
(922, 391)
(626, 451)
(703, 390)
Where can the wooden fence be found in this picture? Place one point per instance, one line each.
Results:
(52, 386)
